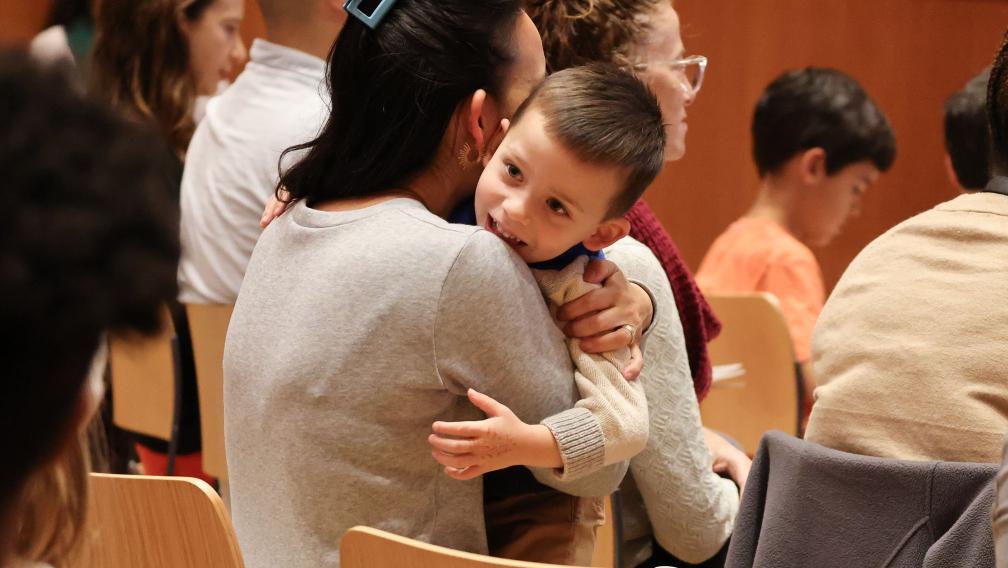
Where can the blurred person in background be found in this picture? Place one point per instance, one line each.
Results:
(67, 39)
(278, 101)
(88, 249)
(819, 143)
(909, 349)
(151, 60)
(967, 140)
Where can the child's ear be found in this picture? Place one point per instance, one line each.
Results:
(607, 233)
(495, 141)
(812, 166)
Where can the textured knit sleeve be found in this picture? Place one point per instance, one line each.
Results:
(690, 508)
(493, 333)
(615, 404)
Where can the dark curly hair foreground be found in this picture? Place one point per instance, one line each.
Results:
(997, 109)
(89, 244)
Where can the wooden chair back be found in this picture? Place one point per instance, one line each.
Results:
(144, 381)
(208, 325)
(158, 522)
(754, 334)
(365, 547)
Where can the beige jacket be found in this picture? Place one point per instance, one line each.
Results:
(910, 348)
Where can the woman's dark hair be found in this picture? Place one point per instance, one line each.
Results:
(820, 108)
(140, 63)
(394, 90)
(89, 245)
(967, 139)
(997, 109)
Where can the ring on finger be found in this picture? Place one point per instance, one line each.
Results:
(631, 330)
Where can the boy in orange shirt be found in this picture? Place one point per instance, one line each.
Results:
(819, 142)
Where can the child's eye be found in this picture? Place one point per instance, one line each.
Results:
(556, 207)
(513, 171)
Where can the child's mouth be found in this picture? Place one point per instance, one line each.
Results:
(494, 227)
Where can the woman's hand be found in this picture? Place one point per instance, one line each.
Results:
(727, 458)
(275, 207)
(600, 317)
(470, 449)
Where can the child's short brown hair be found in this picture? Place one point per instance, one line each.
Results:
(604, 115)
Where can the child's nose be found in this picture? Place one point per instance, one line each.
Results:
(516, 208)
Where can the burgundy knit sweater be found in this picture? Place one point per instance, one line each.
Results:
(700, 325)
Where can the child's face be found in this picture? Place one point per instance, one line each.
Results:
(541, 199)
(821, 212)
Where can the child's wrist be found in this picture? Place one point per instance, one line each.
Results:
(541, 447)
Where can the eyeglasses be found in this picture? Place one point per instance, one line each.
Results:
(693, 67)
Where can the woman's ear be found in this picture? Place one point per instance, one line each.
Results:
(812, 166)
(482, 121)
(607, 233)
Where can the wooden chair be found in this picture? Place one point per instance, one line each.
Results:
(767, 396)
(365, 547)
(147, 386)
(155, 522)
(208, 325)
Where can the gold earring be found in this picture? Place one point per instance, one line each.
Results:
(463, 159)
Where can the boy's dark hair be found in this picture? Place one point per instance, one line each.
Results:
(606, 116)
(89, 244)
(997, 110)
(394, 90)
(967, 137)
(820, 108)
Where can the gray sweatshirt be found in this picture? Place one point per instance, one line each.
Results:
(355, 331)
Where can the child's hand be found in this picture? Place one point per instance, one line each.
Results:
(274, 207)
(470, 449)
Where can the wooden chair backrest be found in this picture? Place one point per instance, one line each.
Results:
(365, 547)
(754, 334)
(143, 381)
(158, 522)
(208, 325)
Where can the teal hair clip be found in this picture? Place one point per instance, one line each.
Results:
(372, 13)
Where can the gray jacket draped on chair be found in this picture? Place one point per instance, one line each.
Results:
(810, 506)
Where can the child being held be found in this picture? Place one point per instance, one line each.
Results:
(579, 153)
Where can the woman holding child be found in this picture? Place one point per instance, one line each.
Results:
(672, 500)
(365, 317)
(472, 333)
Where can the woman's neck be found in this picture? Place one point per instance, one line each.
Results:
(439, 188)
(428, 188)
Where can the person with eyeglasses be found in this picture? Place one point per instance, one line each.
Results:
(676, 509)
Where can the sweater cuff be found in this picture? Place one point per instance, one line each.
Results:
(581, 442)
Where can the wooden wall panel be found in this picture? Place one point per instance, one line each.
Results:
(20, 20)
(909, 54)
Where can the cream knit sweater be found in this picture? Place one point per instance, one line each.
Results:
(617, 405)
